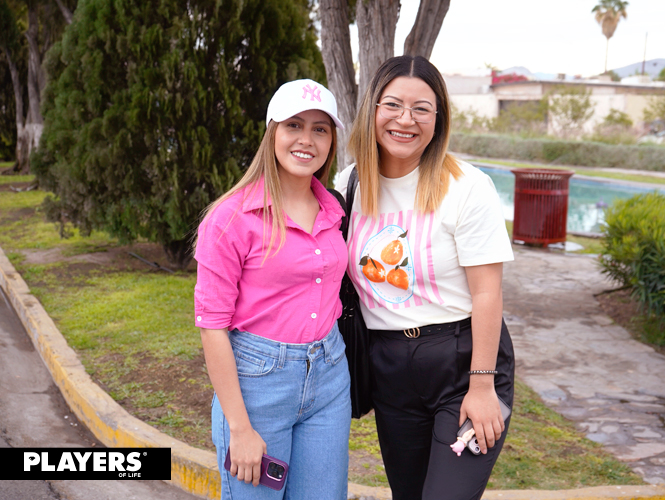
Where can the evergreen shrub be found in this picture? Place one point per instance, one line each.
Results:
(578, 153)
(154, 108)
(634, 249)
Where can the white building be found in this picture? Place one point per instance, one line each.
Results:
(478, 94)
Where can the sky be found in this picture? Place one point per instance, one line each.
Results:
(547, 37)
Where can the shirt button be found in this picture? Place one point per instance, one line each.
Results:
(313, 315)
(317, 251)
(318, 280)
(198, 318)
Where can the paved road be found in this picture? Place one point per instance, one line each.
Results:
(582, 364)
(34, 414)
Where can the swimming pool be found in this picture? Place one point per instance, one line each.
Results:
(587, 199)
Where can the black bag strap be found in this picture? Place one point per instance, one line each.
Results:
(350, 194)
(347, 205)
(345, 220)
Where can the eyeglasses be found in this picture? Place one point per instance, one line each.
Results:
(393, 111)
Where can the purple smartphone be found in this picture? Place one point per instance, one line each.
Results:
(273, 471)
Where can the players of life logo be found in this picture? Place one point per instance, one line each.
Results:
(387, 264)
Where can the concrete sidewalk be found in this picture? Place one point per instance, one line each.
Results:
(582, 364)
(567, 349)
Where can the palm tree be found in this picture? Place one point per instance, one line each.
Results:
(608, 15)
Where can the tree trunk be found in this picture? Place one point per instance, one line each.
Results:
(338, 60)
(179, 253)
(607, 49)
(18, 98)
(67, 14)
(29, 135)
(425, 31)
(377, 20)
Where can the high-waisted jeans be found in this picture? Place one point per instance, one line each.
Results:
(297, 399)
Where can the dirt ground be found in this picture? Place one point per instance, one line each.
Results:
(621, 307)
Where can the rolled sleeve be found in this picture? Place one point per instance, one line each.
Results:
(220, 254)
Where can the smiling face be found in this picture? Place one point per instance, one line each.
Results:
(302, 143)
(402, 141)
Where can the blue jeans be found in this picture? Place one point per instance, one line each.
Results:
(297, 399)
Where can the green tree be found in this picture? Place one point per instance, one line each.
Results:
(608, 13)
(661, 76)
(154, 108)
(654, 113)
(570, 107)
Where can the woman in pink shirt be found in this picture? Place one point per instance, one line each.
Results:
(270, 263)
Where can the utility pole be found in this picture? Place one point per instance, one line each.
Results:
(644, 60)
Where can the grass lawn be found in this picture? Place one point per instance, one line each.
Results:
(542, 451)
(132, 327)
(589, 245)
(588, 171)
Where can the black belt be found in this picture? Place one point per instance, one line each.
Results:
(424, 331)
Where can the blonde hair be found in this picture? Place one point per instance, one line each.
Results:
(436, 164)
(265, 165)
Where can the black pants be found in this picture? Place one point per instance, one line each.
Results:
(419, 387)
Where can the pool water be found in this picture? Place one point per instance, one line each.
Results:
(587, 199)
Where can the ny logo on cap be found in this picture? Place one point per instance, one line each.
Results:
(315, 93)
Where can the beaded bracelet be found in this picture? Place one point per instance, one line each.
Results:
(483, 372)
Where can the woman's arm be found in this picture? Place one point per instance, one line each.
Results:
(481, 403)
(246, 445)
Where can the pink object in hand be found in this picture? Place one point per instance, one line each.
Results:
(459, 445)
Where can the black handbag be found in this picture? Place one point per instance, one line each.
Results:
(351, 323)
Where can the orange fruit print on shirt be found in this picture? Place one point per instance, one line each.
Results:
(392, 252)
(398, 278)
(374, 271)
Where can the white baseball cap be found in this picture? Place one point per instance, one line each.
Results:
(301, 95)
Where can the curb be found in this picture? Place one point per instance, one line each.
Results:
(192, 470)
(642, 492)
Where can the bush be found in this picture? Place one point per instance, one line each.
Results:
(618, 118)
(468, 121)
(525, 119)
(580, 153)
(154, 108)
(634, 249)
(654, 113)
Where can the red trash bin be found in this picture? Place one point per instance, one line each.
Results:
(541, 205)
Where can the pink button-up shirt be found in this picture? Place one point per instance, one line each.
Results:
(292, 296)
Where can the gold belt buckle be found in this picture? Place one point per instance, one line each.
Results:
(412, 333)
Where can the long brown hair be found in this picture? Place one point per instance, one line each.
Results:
(436, 164)
(264, 165)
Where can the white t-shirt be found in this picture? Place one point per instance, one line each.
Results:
(407, 266)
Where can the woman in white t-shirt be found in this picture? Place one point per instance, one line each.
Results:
(427, 242)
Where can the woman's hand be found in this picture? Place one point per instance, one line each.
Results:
(247, 449)
(481, 405)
